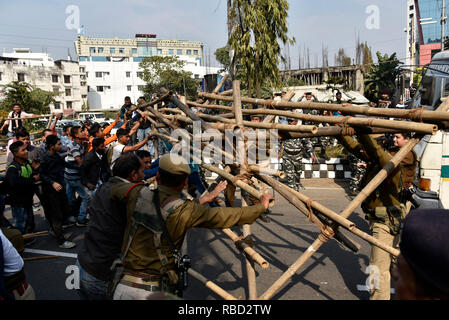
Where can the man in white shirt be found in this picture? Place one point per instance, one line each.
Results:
(15, 124)
(12, 276)
(123, 137)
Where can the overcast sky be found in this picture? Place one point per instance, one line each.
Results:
(41, 25)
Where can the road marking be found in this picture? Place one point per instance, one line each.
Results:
(365, 288)
(52, 253)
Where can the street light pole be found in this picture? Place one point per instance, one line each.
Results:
(443, 23)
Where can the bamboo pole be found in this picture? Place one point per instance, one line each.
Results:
(40, 258)
(425, 115)
(381, 123)
(289, 95)
(25, 118)
(294, 200)
(340, 131)
(372, 185)
(261, 170)
(209, 284)
(252, 287)
(37, 234)
(259, 125)
(256, 257)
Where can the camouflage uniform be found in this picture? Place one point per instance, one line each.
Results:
(357, 174)
(321, 142)
(292, 153)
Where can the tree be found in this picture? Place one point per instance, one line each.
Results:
(261, 23)
(341, 59)
(166, 71)
(32, 100)
(382, 76)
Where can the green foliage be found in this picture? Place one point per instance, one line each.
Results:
(293, 82)
(222, 56)
(166, 72)
(417, 76)
(383, 75)
(334, 82)
(260, 24)
(32, 100)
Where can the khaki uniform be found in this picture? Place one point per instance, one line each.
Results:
(384, 208)
(144, 268)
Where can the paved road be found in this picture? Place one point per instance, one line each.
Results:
(333, 272)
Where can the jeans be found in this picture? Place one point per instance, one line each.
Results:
(73, 186)
(91, 288)
(141, 134)
(23, 218)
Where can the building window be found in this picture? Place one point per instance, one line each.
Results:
(128, 74)
(128, 88)
(189, 52)
(139, 74)
(98, 74)
(87, 74)
(66, 79)
(54, 78)
(179, 51)
(21, 76)
(57, 106)
(69, 104)
(84, 96)
(195, 52)
(56, 90)
(68, 92)
(91, 50)
(82, 69)
(100, 50)
(100, 88)
(170, 51)
(134, 50)
(83, 58)
(159, 51)
(121, 50)
(111, 50)
(197, 76)
(0, 76)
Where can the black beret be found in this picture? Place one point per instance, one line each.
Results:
(425, 246)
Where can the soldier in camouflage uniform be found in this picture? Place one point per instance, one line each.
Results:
(292, 153)
(358, 170)
(321, 142)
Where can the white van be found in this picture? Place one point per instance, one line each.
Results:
(92, 116)
(432, 185)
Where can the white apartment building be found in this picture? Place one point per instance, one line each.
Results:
(112, 65)
(66, 77)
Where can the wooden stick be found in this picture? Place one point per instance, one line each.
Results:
(426, 115)
(261, 170)
(251, 272)
(212, 286)
(256, 257)
(37, 234)
(372, 185)
(39, 258)
(289, 95)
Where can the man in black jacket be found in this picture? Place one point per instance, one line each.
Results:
(104, 236)
(51, 172)
(95, 169)
(20, 177)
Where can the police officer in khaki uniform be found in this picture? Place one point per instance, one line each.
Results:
(385, 208)
(149, 260)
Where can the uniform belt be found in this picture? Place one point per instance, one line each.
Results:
(139, 283)
(142, 275)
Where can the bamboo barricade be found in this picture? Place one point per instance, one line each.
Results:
(34, 235)
(414, 114)
(26, 118)
(326, 235)
(218, 87)
(289, 95)
(212, 286)
(340, 220)
(294, 200)
(355, 121)
(261, 170)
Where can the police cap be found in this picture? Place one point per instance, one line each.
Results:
(174, 164)
(425, 246)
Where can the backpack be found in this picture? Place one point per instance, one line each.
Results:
(110, 153)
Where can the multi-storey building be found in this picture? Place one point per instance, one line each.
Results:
(412, 58)
(428, 17)
(112, 65)
(64, 77)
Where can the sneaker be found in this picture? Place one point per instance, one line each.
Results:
(67, 245)
(82, 223)
(71, 219)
